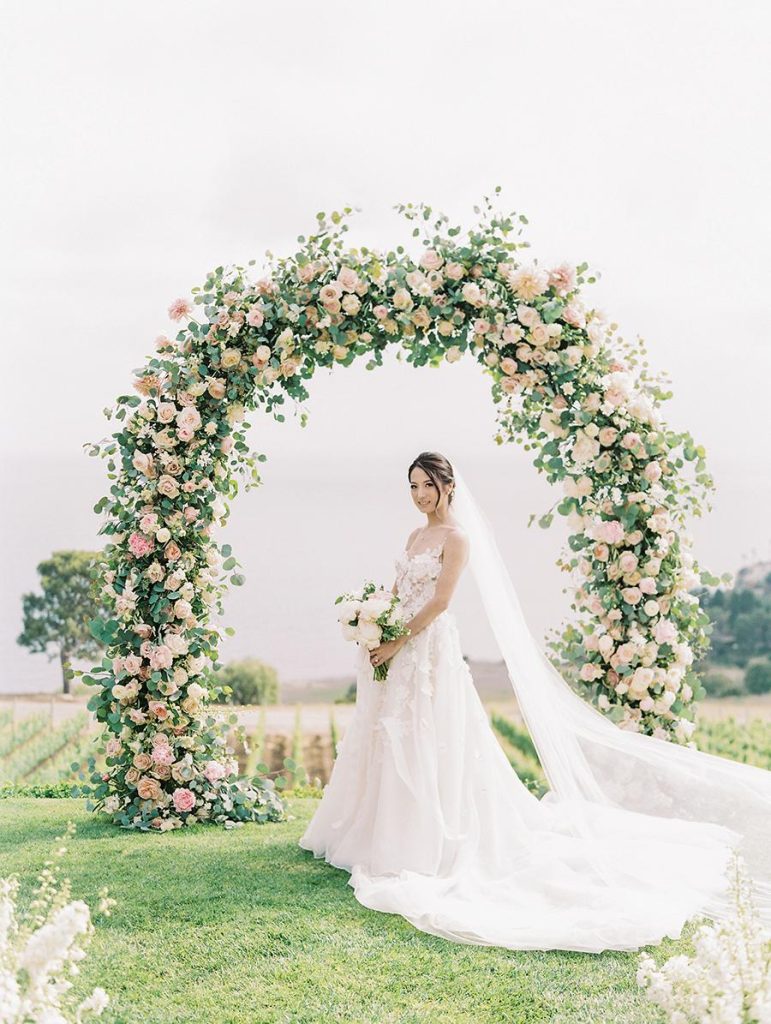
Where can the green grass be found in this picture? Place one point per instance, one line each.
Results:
(243, 927)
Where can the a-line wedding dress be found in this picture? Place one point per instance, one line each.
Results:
(428, 816)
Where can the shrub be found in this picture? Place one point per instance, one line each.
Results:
(757, 678)
(349, 697)
(720, 684)
(251, 680)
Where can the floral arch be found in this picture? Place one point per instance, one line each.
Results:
(579, 397)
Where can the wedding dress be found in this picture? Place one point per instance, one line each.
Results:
(424, 810)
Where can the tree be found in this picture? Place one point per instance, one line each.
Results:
(60, 616)
(757, 679)
(251, 680)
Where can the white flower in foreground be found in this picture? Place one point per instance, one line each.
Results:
(728, 980)
(39, 946)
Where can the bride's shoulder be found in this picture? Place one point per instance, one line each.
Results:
(456, 539)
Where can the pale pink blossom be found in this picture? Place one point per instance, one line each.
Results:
(214, 771)
(431, 260)
(665, 631)
(140, 545)
(563, 278)
(609, 530)
(180, 308)
(184, 800)
(160, 657)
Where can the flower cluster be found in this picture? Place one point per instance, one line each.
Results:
(370, 616)
(728, 979)
(39, 945)
(580, 398)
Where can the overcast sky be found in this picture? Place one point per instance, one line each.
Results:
(145, 144)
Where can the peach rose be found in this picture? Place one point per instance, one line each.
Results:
(149, 789)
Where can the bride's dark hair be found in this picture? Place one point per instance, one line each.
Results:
(437, 467)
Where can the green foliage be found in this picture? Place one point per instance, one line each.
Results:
(61, 615)
(720, 684)
(521, 752)
(757, 678)
(251, 681)
(48, 791)
(42, 748)
(740, 618)
(749, 742)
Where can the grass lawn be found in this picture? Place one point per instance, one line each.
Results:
(243, 927)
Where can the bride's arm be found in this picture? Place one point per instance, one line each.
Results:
(454, 558)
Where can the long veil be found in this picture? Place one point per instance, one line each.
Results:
(593, 765)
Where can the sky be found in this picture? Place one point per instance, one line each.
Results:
(146, 144)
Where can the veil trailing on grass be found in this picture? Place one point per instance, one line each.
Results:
(600, 773)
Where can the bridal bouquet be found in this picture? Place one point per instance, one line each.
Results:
(371, 617)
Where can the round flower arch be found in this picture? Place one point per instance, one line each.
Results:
(565, 385)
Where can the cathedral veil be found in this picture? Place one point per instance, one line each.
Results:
(596, 769)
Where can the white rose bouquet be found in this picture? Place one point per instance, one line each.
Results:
(370, 616)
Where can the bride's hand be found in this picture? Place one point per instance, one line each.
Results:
(384, 652)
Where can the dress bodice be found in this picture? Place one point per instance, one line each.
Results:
(416, 577)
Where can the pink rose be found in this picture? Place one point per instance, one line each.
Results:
(140, 545)
(563, 278)
(652, 472)
(160, 658)
(665, 631)
(430, 260)
(631, 440)
(255, 317)
(573, 314)
(609, 530)
(184, 800)
(179, 309)
(648, 585)
(132, 664)
(632, 595)
(348, 279)
(158, 709)
(590, 672)
(163, 754)
(627, 562)
(214, 771)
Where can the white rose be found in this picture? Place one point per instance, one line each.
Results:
(369, 632)
(373, 607)
(348, 610)
(349, 632)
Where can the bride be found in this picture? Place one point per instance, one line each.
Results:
(426, 813)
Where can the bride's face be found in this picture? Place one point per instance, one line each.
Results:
(424, 493)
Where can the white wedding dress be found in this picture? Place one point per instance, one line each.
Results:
(426, 813)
